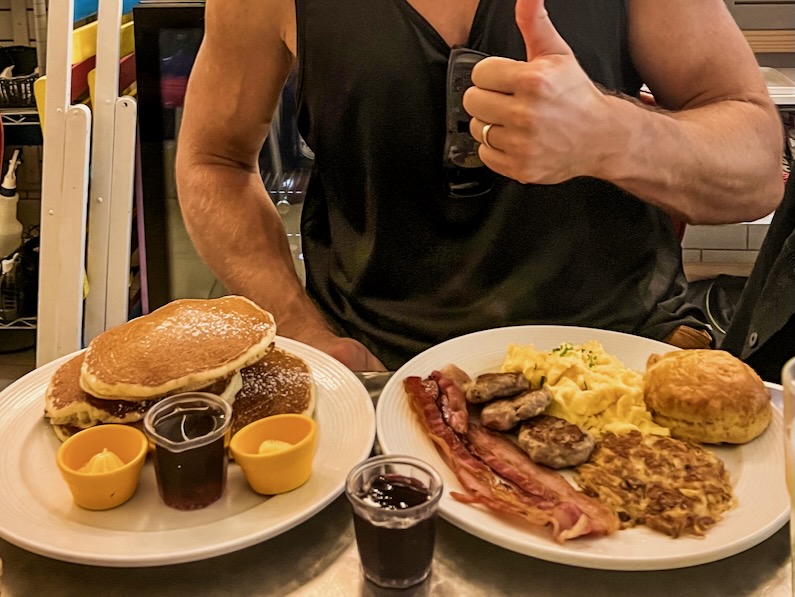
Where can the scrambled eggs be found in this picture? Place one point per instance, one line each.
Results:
(590, 387)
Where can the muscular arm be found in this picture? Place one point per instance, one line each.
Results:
(715, 157)
(233, 91)
(711, 155)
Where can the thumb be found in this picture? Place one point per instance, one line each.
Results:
(539, 34)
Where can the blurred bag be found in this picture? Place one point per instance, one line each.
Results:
(718, 298)
(762, 329)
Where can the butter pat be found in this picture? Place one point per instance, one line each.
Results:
(104, 462)
(272, 446)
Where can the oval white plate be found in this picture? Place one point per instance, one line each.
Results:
(757, 468)
(37, 512)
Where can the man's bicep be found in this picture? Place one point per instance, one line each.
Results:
(236, 80)
(692, 53)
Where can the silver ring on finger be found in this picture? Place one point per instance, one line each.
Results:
(485, 135)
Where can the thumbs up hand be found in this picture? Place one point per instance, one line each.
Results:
(539, 34)
(541, 110)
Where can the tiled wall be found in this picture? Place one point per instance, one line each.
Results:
(8, 27)
(732, 243)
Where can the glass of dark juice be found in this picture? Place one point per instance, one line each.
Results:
(395, 500)
(190, 458)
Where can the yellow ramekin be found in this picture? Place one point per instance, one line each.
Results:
(280, 472)
(101, 491)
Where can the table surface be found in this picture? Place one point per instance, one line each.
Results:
(319, 558)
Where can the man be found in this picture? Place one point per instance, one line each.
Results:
(569, 222)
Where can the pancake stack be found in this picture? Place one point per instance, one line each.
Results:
(186, 345)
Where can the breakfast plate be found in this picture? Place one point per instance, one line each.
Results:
(37, 512)
(756, 468)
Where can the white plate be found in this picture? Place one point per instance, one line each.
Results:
(37, 512)
(757, 468)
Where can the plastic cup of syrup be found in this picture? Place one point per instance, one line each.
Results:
(395, 501)
(188, 431)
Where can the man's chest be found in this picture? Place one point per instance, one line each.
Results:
(452, 19)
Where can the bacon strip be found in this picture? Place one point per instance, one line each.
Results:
(475, 476)
(572, 508)
(451, 401)
(547, 506)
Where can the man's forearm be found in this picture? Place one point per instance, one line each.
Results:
(237, 231)
(714, 164)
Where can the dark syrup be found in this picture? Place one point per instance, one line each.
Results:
(395, 554)
(196, 477)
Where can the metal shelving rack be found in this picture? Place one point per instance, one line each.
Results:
(19, 116)
(23, 323)
(21, 126)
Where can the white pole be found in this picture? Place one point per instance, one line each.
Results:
(101, 192)
(60, 312)
(122, 177)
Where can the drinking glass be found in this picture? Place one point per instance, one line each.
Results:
(788, 383)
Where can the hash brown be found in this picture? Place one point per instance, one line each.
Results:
(670, 486)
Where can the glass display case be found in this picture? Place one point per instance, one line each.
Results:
(167, 38)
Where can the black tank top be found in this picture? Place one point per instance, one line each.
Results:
(397, 263)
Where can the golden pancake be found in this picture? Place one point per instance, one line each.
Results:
(64, 390)
(183, 345)
(70, 409)
(280, 383)
(66, 404)
(64, 432)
